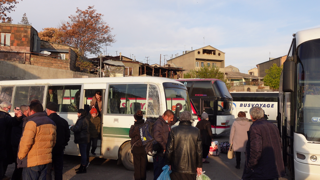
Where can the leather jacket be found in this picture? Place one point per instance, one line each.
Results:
(184, 149)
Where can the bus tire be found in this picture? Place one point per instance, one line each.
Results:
(127, 156)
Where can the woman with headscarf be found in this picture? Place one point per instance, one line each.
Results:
(82, 137)
(138, 150)
(206, 135)
(238, 136)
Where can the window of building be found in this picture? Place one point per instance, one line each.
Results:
(214, 65)
(25, 94)
(5, 39)
(208, 64)
(128, 71)
(209, 51)
(63, 56)
(202, 64)
(67, 97)
(219, 54)
(127, 98)
(198, 52)
(197, 64)
(251, 73)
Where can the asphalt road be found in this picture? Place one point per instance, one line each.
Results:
(219, 168)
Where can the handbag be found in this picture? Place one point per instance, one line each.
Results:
(230, 152)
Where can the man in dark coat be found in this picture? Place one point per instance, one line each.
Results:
(184, 150)
(264, 158)
(206, 135)
(161, 129)
(17, 128)
(63, 137)
(5, 132)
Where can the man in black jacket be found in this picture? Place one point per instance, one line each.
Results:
(161, 129)
(63, 136)
(264, 158)
(184, 150)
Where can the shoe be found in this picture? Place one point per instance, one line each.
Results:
(205, 161)
(83, 169)
(238, 167)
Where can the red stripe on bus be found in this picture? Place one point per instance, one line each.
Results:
(175, 99)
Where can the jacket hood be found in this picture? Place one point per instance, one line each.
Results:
(242, 121)
(37, 115)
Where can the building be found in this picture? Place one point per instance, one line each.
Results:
(21, 44)
(120, 66)
(262, 67)
(238, 81)
(253, 72)
(195, 59)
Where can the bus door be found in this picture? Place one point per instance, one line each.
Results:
(89, 93)
(207, 105)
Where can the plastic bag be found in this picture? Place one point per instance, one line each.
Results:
(165, 175)
(203, 177)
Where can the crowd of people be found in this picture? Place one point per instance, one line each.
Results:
(35, 139)
(184, 148)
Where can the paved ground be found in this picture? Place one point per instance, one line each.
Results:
(219, 168)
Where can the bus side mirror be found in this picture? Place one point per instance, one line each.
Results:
(288, 76)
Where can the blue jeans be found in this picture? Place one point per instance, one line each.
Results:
(83, 153)
(35, 172)
(158, 163)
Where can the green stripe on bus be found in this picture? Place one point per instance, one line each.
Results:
(116, 131)
(126, 137)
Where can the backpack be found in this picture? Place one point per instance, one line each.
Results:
(224, 147)
(146, 135)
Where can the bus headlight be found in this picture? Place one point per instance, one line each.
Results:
(313, 158)
(301, 156)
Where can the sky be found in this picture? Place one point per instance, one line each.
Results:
(247, 31)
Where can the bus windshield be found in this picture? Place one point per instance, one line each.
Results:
(308, 90)
(177, 99)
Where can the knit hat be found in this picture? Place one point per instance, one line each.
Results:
(185, 116)
(204, 116)
(52, 106)
(93, 110)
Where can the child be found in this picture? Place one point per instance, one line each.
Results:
(94, 129)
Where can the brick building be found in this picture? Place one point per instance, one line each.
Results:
(262, 67)
(21, 44)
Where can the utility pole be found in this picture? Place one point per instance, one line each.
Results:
(164, 59)
(100, 65)
(117, 53)
(160, 60)
(147, 59)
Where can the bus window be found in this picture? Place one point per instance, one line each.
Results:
(6, 94)
(88, 96)
(177, 100)
(25, 94)
(127, 99)
(202, 88)
(68, 97)
(188, 84)
(153, 101)
(208, 106)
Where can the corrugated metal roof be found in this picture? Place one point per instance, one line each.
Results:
(114, 63)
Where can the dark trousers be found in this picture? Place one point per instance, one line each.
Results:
(93, 145)
(83, 153)
(205, 150)
(57, 164)
(158, 163)
(17, 173)
(238, 158)
(35, 172)
(180, 176)
(140, 165)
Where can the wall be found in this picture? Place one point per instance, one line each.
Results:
(134, 65)
(20, 38)
(266, 65)
(11, 70)
(50, 62)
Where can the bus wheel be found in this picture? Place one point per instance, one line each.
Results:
(127, 157)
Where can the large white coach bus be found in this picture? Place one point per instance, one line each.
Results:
(122, 97)
(300, 106)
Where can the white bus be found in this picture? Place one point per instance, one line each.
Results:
(300, 106)
(244, 101)
(122, 97)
